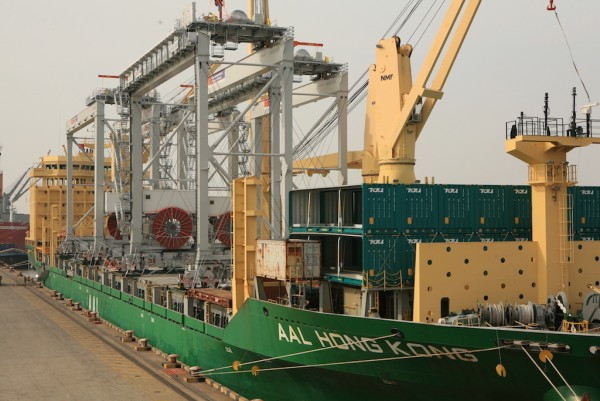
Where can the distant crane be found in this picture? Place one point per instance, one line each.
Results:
(19, 189)
(14, 194)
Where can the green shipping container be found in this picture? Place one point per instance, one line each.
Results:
(587, 236)
(417, 208)
(519, 208)
(380, 214)
(382, 264)
(586, 209)
(408, 248)
(490, 208)
(456, 209)
(458, 237)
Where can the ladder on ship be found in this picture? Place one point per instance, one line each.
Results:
(567, 253)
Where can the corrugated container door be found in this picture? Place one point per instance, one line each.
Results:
(455, 209)
(519, 206)
(418, 208)
(271, 259)
(408, 246)
(312, 259)
(586, 209)
(294, 260)
(490, 208)
(379, 215)
(381, 254)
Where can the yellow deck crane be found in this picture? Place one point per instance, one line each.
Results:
(397, 107)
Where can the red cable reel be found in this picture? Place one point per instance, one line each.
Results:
(223, 229)
(113, 227)
(172, 227)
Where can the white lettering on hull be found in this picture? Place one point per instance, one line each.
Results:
(345, 342)
(291, 335)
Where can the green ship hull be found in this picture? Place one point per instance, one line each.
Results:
(285, 353)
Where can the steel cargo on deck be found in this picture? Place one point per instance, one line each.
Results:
(288, 260)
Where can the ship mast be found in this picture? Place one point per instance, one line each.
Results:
(550, 175)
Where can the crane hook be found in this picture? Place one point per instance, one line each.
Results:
(551, 6)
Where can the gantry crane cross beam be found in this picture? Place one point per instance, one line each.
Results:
(390, 136)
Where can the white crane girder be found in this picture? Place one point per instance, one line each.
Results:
(82, 120)
(246, 69)
(318, 90)
(308, 93)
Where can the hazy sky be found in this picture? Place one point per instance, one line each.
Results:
(52, 52)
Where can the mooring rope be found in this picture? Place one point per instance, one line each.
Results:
(544, 374)
(326, 364)
(302, 352)
(561, 376)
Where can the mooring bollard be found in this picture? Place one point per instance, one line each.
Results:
(94, 318)
(76, 306)
(195, 375)
(171, 362)
(128, 337)
(142, 345)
